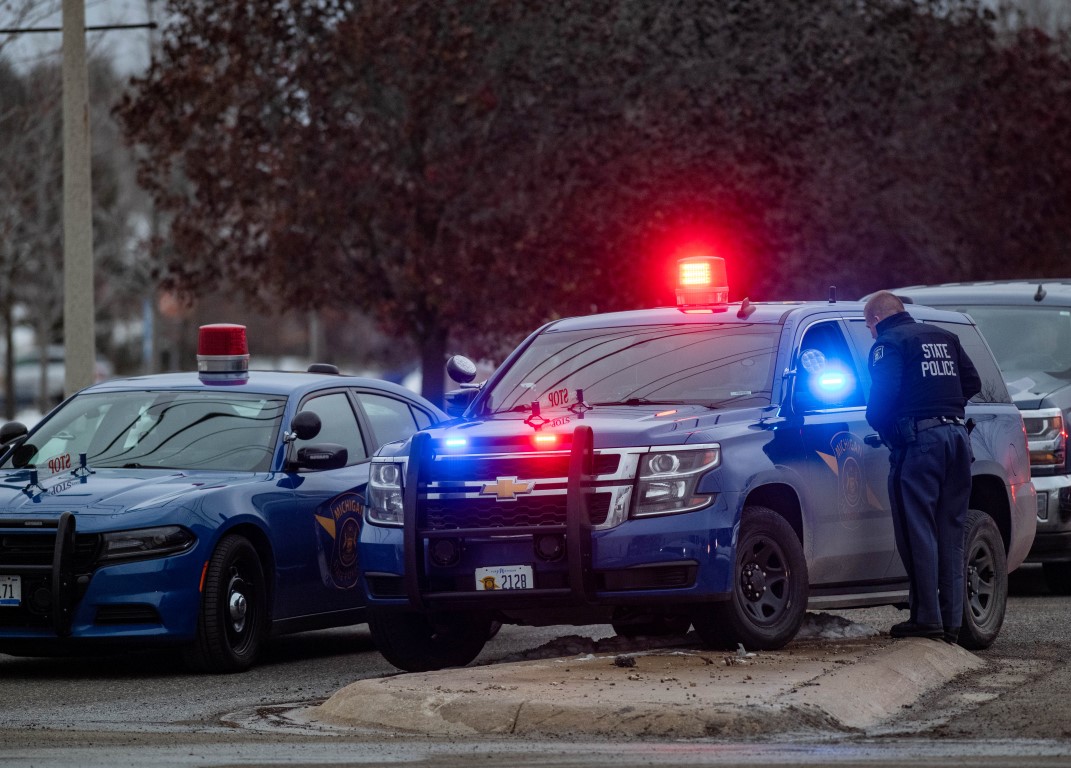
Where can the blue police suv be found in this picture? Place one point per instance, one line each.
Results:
(707, 464)
(201, 510)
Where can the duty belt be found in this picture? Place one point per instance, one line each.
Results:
(937, 421)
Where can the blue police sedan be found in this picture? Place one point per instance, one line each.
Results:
(202, 510)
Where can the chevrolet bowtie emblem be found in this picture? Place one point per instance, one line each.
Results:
(506, 488)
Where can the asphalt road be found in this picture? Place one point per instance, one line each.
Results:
(149, 691)
(144, 709)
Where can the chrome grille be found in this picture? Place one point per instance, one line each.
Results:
(448, 514)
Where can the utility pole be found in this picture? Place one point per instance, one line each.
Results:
(79, 337)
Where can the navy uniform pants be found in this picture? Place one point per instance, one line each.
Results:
(930, 488)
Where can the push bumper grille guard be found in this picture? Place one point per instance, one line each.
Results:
(61, 570)
(577, 529)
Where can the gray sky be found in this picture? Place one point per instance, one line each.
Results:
(129, 49)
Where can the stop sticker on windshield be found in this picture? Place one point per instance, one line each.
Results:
(59, 463)
(558, 397)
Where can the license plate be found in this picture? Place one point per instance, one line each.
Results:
(504, 577)
(10, 590)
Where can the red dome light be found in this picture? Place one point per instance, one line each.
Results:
(701, 281)
(222, 339)
(222, 352)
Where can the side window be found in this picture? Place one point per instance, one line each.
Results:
(339, 424)
(863, 341)
(391, 419)
(994, 390)
(826, 373)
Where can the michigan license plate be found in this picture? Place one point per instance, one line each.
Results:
(10, 590)
(504, 577)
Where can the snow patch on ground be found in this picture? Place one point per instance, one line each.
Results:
(830, 627)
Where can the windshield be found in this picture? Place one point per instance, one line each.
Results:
(1026, 340)
(715, 365)
(173, 430)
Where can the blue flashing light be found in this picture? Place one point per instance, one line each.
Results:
(456, 442)
(832, 382)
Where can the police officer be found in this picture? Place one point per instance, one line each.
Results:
(922, 379)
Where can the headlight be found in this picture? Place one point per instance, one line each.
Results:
(667, 480)
(385, 493)
(1046, 435)
(146, 542)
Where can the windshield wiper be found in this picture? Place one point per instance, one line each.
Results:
(644, 401)
(522, 408)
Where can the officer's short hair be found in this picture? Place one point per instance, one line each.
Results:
(881, 305)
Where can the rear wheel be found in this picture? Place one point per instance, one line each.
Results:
(419, 642)
(986, 582)
(233, 620)
(769, 591)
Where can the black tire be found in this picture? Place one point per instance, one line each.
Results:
(233, 620)
(419, 642)
(769, 590)
(986, 582)
(1057, 577)
(493, 630)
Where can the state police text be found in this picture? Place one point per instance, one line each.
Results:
(938, 360)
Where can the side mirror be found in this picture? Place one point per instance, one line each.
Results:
(322, 456)
(12, 431)
(20, 457)
(461, 369)
(809, 364)
(306, 425)
(459, 399)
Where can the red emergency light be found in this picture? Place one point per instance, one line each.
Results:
(222, 353)
(701, 281)
(545, 440)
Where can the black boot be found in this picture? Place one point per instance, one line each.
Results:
(914, 629)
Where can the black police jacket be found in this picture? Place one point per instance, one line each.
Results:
(918, 371)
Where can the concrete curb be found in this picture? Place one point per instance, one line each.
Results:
(878, 685)
(828, 685)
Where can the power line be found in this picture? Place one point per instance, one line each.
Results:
(89, 28)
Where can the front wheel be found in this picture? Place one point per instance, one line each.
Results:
(769, 591)
(233, 620)
(419, 642)
(986, 587)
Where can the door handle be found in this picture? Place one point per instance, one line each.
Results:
(873, 440)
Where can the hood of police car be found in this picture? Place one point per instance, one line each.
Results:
(615, 426)
(108, 491)
(1037, 389)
